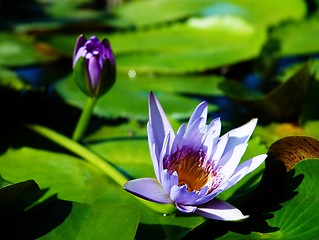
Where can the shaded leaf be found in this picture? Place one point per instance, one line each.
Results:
(285, 102)
(16, 197)
(297, 217)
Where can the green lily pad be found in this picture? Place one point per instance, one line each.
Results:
(70, 177)
(298, 38)
(11, 80)
(109, 221)
(194, 46)
(128, 97)
(160, 11)
(16, 50)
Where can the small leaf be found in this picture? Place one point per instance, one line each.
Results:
(18, 196)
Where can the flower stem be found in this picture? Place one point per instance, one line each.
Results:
(97, 161)
(84, 118)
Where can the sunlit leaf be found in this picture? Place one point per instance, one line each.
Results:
(193, 46)
(11, 80)
(18, 50)
(275, 131)
(160, 11)
(68, 176)
(98, 221)
(128, 98)
(298, 38)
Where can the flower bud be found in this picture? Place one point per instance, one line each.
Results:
(94, 65)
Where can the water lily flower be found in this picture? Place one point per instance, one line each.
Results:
(94, 65)
(194, 165)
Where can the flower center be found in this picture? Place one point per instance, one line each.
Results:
(192, 168)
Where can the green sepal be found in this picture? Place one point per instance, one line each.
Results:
(81, 77)
(107, 78)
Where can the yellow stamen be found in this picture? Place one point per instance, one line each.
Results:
(190, 168)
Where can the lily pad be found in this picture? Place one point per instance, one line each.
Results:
(160, 11)
(128, 98)
(11, 80)
(298, 38)
(109, 220)
(194, 46)
(20, 50)
(69, 177)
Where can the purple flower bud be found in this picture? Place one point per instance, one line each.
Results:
(94, 65)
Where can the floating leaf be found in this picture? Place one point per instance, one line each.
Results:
(275, 131)
(11, 80)
(194, 46)
(159, 11)
(72, 178)
(298, 38)
(98, 221)
(19, 50)
(128, 98)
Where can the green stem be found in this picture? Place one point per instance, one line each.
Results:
(96, 160)
(84, 118)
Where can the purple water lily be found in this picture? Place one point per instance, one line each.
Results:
(194, 165)
(97, 61)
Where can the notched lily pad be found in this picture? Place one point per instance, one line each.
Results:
(291, 150)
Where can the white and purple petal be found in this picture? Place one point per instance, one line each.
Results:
(220, 210)
(159, 122)
(199, 112)
(245, 168)
(229, 161)
(180, 194)
(149, 189)
(153, 151)
(185, 208)
(240, 135)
